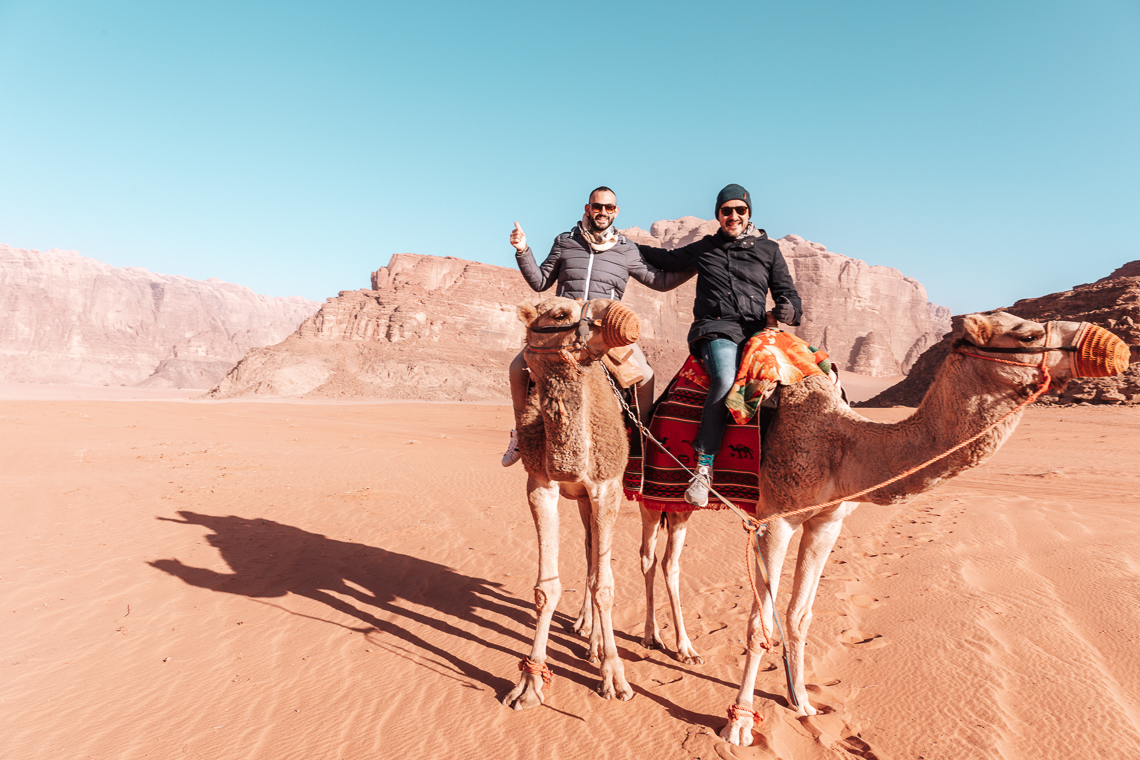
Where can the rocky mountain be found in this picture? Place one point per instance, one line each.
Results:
(1112, 302)
(445, 328)
(71, 319)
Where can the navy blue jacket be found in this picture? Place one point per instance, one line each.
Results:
(733, 280)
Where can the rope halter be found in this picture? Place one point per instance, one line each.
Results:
(620, 326)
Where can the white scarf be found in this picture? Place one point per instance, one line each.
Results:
(599, 241)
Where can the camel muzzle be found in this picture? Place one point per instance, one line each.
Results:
(1098, 353)
(620, 326)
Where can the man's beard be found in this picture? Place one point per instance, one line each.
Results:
(594, 224)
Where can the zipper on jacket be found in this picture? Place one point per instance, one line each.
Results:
(589, 271)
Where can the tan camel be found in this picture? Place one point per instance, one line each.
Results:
(573, 442)
(818, 450)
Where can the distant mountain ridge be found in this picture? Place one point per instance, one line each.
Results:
(72, 319)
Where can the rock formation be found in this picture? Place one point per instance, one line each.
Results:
(1112, 302)
(71, 319)
(445, 328)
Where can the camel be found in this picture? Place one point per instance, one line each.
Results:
(573, 442)
(818, 450)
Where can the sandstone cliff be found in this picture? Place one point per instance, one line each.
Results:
(445, 328)
(1112, 302)
(71, 319)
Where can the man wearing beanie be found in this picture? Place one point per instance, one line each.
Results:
(736, 268)
(593, 260)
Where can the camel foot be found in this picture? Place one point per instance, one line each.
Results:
(805, 708)
(689, 656)
(582, 627)
(738, 731)
(652, 642)
(593, 653)
(525, 695)
(616, 688)
(741, 719)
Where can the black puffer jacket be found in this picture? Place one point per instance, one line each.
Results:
(578, 268)
(733, 280)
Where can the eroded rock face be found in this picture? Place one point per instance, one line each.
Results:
(1112, 303)
(71, 319)
(445, 328)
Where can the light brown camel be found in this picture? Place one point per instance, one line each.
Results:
(573, 442)
(818, 450)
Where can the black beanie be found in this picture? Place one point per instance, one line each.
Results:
(732, 193)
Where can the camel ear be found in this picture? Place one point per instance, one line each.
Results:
(527, 313)
(978, 328)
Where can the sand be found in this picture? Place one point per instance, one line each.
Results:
(182, 578)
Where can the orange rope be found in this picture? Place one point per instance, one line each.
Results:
(735, 711)
(528, 665)
(752, 582)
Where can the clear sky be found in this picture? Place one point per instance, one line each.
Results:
(989, 149)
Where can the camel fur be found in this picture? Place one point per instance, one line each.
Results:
(573, 442)
(818, 449)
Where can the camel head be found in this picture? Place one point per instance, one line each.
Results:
(570, 330)
(1066, 349)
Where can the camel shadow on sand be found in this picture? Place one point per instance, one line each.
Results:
(380, 588)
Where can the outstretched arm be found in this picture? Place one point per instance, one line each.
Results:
(652, 277)
(676, 260)
(538, 277)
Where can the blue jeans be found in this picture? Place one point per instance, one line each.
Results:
(721, 358)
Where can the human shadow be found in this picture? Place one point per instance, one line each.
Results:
(270, 560)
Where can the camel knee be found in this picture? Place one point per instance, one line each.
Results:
(798, 625)
(546, 594)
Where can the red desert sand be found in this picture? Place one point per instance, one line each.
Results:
(351, 580)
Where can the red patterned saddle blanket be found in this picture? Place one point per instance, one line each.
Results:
(653, 478)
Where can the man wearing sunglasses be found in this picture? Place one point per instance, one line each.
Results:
(593, 260)
(736, 268)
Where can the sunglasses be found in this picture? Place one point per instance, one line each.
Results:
(603, 207)
(741, 211)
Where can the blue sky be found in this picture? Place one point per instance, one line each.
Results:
(990, 150)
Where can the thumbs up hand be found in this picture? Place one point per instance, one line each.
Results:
(518, 238)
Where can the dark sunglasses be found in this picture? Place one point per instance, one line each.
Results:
(603, 207)
(741, 211)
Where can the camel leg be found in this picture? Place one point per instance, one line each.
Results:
(820, 534)
(678, 522)
(774, 548)
(607, 501)
(587, 623)
(543, 498)
(650, 521)
(584, 625)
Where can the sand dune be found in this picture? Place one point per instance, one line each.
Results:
(278, 580)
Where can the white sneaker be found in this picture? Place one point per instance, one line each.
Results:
(698, 491)
(513, 454)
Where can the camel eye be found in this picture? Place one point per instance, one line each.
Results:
(1027, 339)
